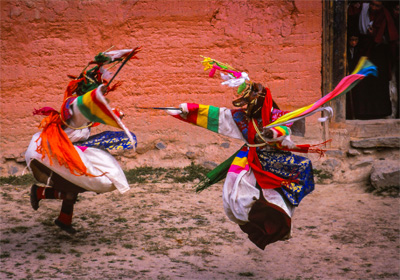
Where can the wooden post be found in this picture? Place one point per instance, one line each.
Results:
(334, 44)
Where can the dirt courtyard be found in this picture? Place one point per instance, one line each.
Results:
(167, 231)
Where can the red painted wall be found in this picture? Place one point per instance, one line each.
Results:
(277, 42)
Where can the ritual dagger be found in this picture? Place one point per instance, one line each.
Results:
(161, 108)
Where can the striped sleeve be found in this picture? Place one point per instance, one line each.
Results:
(279, 131)
(203, 115)
(216, 119)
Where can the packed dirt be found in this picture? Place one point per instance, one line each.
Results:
(167, 231)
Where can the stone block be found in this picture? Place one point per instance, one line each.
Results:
(12, 170)
(353, 153)
(373, 128)
(209, 164)
(362, 163)
(335, 153)
(385, 174)
(190, 155)
(378, 142)
(161, 146)
(225, 145)
(331, 165)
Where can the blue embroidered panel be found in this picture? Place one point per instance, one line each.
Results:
(239, 116)
(109, 140)
(289, 166)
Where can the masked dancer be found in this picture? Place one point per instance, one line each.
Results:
(63, 157)
(265, 180)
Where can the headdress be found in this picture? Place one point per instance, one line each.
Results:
(251, 94)
(98, 75)
(233, 78)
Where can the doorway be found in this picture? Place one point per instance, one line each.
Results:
(335, 66)
(372, 32)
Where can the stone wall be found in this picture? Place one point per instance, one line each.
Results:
(277, 42)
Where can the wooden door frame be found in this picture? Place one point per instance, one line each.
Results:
(334, 42)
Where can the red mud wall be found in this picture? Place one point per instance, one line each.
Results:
(277, 42)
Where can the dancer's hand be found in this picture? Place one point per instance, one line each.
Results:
(102, 89)
(182, 112)
(267, 133)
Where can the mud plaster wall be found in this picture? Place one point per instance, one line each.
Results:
(277, 42)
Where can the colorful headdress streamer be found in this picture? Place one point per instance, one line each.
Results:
(364, 68)
(233, 78)
(92, 78)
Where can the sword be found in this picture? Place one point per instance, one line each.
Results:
(160, 108)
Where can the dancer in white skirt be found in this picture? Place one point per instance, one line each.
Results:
(264, 180)
(64, 157)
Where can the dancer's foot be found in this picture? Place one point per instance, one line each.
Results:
(34, 198)
(64, 227)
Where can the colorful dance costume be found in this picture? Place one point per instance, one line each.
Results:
(64, 156)
(264, 181)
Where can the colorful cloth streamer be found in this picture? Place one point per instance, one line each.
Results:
(363, 69)
(95, 108)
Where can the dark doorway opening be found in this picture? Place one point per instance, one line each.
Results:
(372, 32)
(339, 24)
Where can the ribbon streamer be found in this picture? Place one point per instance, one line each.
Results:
(364, 68)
